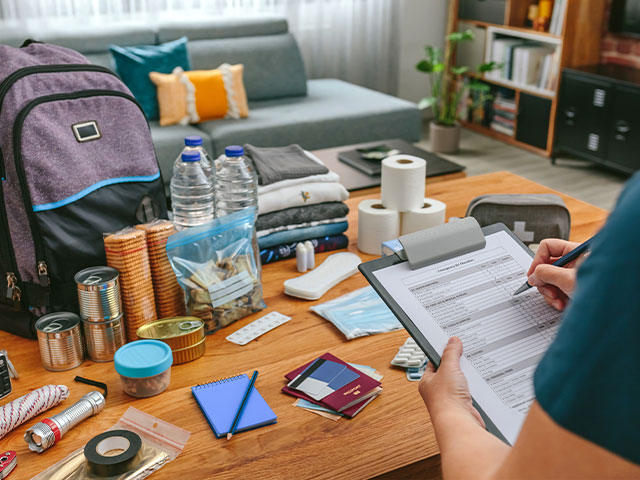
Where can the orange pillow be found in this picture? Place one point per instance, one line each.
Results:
(200, 95)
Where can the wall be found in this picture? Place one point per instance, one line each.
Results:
(421, 22)
(618, 49)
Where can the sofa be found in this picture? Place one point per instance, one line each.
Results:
(285, 106)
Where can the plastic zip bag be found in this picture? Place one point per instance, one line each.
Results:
(359, 313)
(215, 265)
(162, 442)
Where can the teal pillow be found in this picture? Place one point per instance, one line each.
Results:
(133, 65)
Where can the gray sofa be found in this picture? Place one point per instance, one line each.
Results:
(285, 107)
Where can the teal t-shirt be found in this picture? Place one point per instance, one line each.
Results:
(589, 379)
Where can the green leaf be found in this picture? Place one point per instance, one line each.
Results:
(438, 67)
(487, 67)
(456, 37)
(433, 53)
(427, 102)
(425, 66)
(479, 87)
(459, 70)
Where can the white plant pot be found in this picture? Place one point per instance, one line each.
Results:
(444, 139)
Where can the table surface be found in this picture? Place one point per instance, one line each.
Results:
(393, 432)
(361, 184)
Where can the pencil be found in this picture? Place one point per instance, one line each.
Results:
(242, 405)
(562, 261)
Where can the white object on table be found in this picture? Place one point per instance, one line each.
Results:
(313, 285)
(257, 328)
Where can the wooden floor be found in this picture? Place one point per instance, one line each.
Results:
(573, 177)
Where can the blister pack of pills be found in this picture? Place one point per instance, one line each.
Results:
(411, 357)
(258, 327)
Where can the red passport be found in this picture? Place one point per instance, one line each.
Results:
(345, 400)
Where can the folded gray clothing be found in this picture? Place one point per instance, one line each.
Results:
(297, 215)
(282, 163)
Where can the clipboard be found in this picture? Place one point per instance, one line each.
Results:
(429, 247)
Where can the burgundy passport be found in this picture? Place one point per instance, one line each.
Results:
(345, 400)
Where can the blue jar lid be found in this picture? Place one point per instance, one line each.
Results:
(193, 141)
(143, 358)
(190, 156)
(234, 151)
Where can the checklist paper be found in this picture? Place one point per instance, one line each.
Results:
(504, 337)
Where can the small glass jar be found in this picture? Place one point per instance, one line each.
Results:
(144, 367)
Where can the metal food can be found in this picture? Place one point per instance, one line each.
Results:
(177, 332)
(103, 338)
(184, 355)
(60, 341)
(99, 293)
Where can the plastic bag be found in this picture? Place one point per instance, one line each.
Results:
(162, 442)
(359, 313)
(216, 267)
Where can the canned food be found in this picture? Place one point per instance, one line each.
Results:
(60, 341)
(184, 355)
(99, 293)
(103, 338)
(177, 332)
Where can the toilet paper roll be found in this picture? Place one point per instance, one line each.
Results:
(431, 213)
(403, 182)
(376, 224)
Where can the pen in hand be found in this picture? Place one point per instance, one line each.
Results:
(561, 262)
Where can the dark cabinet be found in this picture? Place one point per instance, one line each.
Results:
(598, 116)
(533, 120)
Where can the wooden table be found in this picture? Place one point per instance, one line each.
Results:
(392, 437)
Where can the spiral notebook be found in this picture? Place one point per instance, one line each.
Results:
(219, 401)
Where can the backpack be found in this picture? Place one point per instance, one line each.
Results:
(76, 161)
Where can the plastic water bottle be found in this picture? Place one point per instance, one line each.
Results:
(192, 196)
(236, 185)
(193, 143)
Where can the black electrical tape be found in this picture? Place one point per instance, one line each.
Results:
(106, 466)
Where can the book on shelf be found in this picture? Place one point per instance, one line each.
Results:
(557, 17)
(527, 63)
(502, 129)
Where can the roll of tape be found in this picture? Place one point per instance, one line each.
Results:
(430, 214)
(102, 450)
(376, 224)
(403, 182)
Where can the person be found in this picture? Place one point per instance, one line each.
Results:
(585, 420)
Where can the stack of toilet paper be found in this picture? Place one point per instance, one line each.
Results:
(403, 209)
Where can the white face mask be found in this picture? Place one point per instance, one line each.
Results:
(359, 313)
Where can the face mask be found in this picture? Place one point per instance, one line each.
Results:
(359, 313)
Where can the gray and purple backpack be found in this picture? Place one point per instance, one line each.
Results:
(76, 161)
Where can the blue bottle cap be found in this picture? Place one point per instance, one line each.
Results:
(193, 141)
(234, 151)
(143, 358)
(190, 156)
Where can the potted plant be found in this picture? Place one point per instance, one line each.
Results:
(448, 87)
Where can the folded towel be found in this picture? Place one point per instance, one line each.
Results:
(284, 228)
(288, 250)
(298, 215)
(299, 234)
(326, 177)
(282, 163)
(303, 194)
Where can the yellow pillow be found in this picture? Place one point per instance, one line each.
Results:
(200, 95)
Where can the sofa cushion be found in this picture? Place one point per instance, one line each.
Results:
(224, 27)
(134, 64)
(273, 66)
(333, 113)
(169, 142)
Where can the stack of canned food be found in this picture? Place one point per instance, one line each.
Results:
(185, 336)
(101, 311)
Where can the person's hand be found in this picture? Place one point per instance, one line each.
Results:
(446, 390)
(556, 284)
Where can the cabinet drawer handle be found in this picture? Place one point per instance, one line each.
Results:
(622, 126)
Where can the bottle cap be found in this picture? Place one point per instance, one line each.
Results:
(234, 151)
(190, 156)
(193, 141)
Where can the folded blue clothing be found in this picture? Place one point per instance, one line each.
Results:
(289, 236)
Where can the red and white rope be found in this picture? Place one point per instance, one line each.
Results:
(28, 406)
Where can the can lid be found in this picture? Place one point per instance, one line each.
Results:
(143, 358)
(57, 322)
(193, 141)
(170, 328)
(95, 275)
(234, 151)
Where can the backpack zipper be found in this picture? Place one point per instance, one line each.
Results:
(41, 265)
(13, 292)
(8, 82)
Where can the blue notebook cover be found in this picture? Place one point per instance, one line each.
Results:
(219, 401)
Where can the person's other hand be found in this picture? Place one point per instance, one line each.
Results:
(446, 390)
(556, 284)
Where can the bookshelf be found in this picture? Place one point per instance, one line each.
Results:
(531, 103)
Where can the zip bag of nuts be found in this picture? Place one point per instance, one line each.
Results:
(215, 265)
